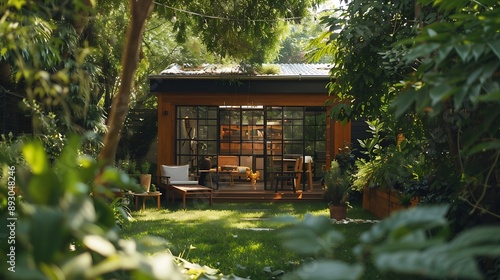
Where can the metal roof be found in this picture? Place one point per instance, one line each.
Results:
(213, 69)
(305, 69)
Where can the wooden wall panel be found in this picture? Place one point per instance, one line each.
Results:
(166, 132)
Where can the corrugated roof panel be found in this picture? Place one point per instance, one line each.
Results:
(286, 70)
(305, 69)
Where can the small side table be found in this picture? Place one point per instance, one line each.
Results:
(144, 197)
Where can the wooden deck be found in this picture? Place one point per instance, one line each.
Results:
(244, 192)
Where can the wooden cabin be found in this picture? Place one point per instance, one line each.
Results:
(260, 119)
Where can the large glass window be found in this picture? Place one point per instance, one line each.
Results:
(256, 135)
(196, 136)
(315, 138)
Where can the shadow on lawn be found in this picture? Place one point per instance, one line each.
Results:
(218, 236)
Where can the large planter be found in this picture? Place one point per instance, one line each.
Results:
(338, 212)
(382, 201)
(145, 181)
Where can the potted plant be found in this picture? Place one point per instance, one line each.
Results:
(145, 176)
(336, 191)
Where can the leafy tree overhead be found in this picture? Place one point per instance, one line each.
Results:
(45, 61)
(430, 70)
(295, 47)
(245, 30)
(456, 82)
(360, 32)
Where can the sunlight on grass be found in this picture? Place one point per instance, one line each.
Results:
(225, 236)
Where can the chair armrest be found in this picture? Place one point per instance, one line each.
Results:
(165, 180)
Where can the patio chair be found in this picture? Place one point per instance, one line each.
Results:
(176, 175)
(290, 176)
(175, 179)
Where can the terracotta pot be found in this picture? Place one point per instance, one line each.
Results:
(338, 212)
(145, 181)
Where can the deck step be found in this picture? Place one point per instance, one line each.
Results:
(266, 196)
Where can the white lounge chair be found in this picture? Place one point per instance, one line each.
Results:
(176, 175)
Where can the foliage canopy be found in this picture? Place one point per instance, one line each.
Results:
(246, 30)
(429, 71)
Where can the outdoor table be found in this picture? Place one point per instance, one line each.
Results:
(185, 190)
(144, 196)
(224, 170)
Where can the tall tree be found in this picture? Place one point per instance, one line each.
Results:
(296, 47)
(360, 33)
(139, 10)
(456, 83)
(246, 30)
(46, 62)
(433, 65)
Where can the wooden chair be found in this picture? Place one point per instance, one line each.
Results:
(290, 176)
(298, 171)
(308, 170)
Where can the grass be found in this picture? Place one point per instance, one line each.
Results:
(239, 238)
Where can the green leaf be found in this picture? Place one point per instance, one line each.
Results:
(67, 159)
(495, 47)
(80, 212)
(105, 216)
(458, 98)
(45, 189)
(75, 267)
(314, 234)
(463, 52)
(443, 53)
(439, 93)
(481, 235)
(403, 102)
(18, 4)
(421, 51)
(35, 155)
(114, 263)
(478, 50)
(484, 146)
(491, 96)
(117, 178)
(428, 264)
(488, 70)
(47, 234)
(416, 218)
(474, 75)
(327, 270)
(456, 259)
(99, 244)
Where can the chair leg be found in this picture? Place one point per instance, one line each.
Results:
(310, 180)
(309, 176)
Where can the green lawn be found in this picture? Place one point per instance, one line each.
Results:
(239, 238)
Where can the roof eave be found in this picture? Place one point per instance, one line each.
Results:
(241, 77)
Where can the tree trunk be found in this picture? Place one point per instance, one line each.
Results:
(140, 10)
